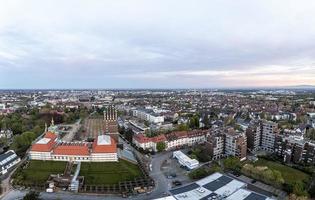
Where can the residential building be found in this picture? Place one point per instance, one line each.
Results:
(223, 142)
(148, 115)
(7, 161)
(261, 135)
(235, 144)
(147, 143)
(215, 144)
(172, 140)
(253, 135)
(295, 149)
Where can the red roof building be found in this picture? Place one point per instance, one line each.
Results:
(73, 148)
(46, 144)
(104, 144)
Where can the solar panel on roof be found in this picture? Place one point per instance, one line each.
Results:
(254, 196)
(218, 183)
(209, 196)
(185, 189)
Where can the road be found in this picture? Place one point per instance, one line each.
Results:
(75, 127)
(162, 186)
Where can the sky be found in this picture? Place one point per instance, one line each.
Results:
(156, 44)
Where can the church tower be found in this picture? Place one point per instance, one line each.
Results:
(110, 121)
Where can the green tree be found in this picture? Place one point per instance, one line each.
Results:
(183, 127)
(32, 195)
(160, 146)
(232, 163)
(298, 189)
(22, 142)
(194, 121)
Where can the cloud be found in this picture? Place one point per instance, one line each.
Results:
(132, 44)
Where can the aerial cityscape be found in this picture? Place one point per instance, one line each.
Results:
(157, 100)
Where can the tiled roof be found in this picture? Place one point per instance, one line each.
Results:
(104, 148)
(45, 147)
(50, 135)
(143, 139)
(159, 138)
(176, 135)
(72, 149)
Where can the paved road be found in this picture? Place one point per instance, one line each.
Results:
(75, 127)
(162, 187)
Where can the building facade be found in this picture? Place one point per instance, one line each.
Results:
(261, 135)
(295, 149)
(7, 161)
(235, 144)
(173, 140)
(224, 142)
(103, 149)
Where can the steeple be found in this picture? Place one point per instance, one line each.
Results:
(52, 122)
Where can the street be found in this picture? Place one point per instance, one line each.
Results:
(162, 186)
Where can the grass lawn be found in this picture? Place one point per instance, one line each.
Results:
(289, 174)
(39, 171)
(109, 173)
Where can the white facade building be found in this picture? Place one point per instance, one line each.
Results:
(268, 135)
(8, 160)
(148, 115)
(185, 161)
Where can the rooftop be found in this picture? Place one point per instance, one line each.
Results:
(103, 140)
(216, 186)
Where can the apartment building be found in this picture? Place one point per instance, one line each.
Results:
(235, 144)
(261, 135)
(179, 139)
(215, 144)
(269, 131)
(147, 143)
(172, 140)
(148, 115)
(224, 142)
(7, 161)
(253, 134)
(295, 149)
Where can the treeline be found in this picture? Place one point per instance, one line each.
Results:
(28, 123)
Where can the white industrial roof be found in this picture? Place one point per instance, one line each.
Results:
(216, 186)
(246, 194)
(166, 198)
(180, 155)
(43, 141)
(103, 140)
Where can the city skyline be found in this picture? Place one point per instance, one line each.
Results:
(156, 44)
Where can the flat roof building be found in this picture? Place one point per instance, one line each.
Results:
(185, 161)
(216, 186)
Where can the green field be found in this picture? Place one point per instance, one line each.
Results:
(108, 173)
(37, 172)
(290, 175)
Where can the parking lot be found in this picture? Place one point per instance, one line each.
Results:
(174, 172)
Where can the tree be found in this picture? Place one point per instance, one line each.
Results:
(32, 195)
(232, 163)
(298, 189)
(205, 121)
(194, 121)
(198, 173)
(160, 146)
(22, 142)
(182, 127)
